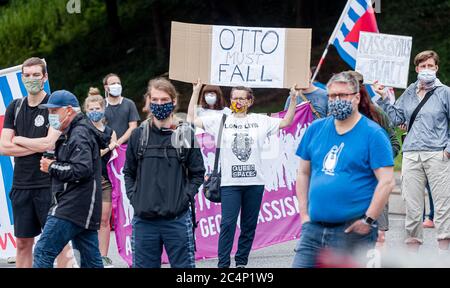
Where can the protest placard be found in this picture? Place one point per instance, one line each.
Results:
(384, 58)
(240, 56)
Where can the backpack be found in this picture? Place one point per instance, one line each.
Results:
(182, 140)
(17, 107)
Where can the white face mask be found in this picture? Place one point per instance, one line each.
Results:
(210, 98)
(426, 76)
(115, 90)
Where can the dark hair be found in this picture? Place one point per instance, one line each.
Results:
(33, 61)
(242, 88)
(220, 103)
(366, 106)
(105, 80)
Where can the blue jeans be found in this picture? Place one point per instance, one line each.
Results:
(315, 237)
(57, 234)
(176, 235)
(246, 199)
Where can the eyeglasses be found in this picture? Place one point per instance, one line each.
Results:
(240, 99)
(340, 95)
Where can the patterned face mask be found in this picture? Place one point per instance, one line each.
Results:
(237, 107)
(33, 86)
(340, 109)
(162, 111)
(95, 116)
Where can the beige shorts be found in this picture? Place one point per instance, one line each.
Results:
(106, 190)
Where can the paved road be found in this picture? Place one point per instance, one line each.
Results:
(281, 255)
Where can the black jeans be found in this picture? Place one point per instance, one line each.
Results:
(246, 199)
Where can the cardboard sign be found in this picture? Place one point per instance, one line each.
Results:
(384, 58)
(240, 56)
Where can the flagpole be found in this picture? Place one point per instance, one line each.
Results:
(330, 41)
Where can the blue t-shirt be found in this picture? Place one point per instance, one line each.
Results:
(342, 181)
(318, 99)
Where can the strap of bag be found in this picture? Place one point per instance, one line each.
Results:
(219, 141)
(416, 111)
(17, 107)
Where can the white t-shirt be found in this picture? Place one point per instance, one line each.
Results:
(202, 112)
(242, 139)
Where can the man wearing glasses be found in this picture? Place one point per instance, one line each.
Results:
(344, 177)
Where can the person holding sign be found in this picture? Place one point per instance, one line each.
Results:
(425, 108)
(242, 184)
(316, 96)
(211, 101)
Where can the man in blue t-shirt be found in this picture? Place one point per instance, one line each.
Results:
(344, 178)
(316, 96)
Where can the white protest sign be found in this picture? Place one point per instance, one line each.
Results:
(384, 58)
(240, 56)
(247, 56)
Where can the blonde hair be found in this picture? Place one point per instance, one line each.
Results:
(161, 84)
(93, 97)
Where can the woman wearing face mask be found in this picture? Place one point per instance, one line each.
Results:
(210, 102)
(161, 184)
(94, 107)
(242, 182)
(426, 148)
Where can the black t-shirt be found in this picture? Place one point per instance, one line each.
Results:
(31, 122)
(118, 116)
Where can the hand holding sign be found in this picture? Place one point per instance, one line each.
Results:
(294, 93)
(197, 87)
(379, 89)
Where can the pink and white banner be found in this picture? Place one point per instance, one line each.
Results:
(278, 218)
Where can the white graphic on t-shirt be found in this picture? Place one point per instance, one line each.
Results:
(39, 121)
(331, 159)
(241, 146)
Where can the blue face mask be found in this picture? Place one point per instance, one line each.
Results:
(54, 122)
(95, 116)
(340, 109)
(161, 111)
(426, 76)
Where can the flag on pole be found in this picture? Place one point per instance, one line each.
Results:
(358, 15)
(11, 87)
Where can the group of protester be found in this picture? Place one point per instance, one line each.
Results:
(345, 172)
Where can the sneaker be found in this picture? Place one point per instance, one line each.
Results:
(11, 260)
(240, 266)
(107, 263)
(428, 223)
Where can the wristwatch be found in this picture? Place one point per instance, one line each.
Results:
(369, 221)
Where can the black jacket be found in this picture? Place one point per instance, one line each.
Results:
(163, 189)
(76, 174)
